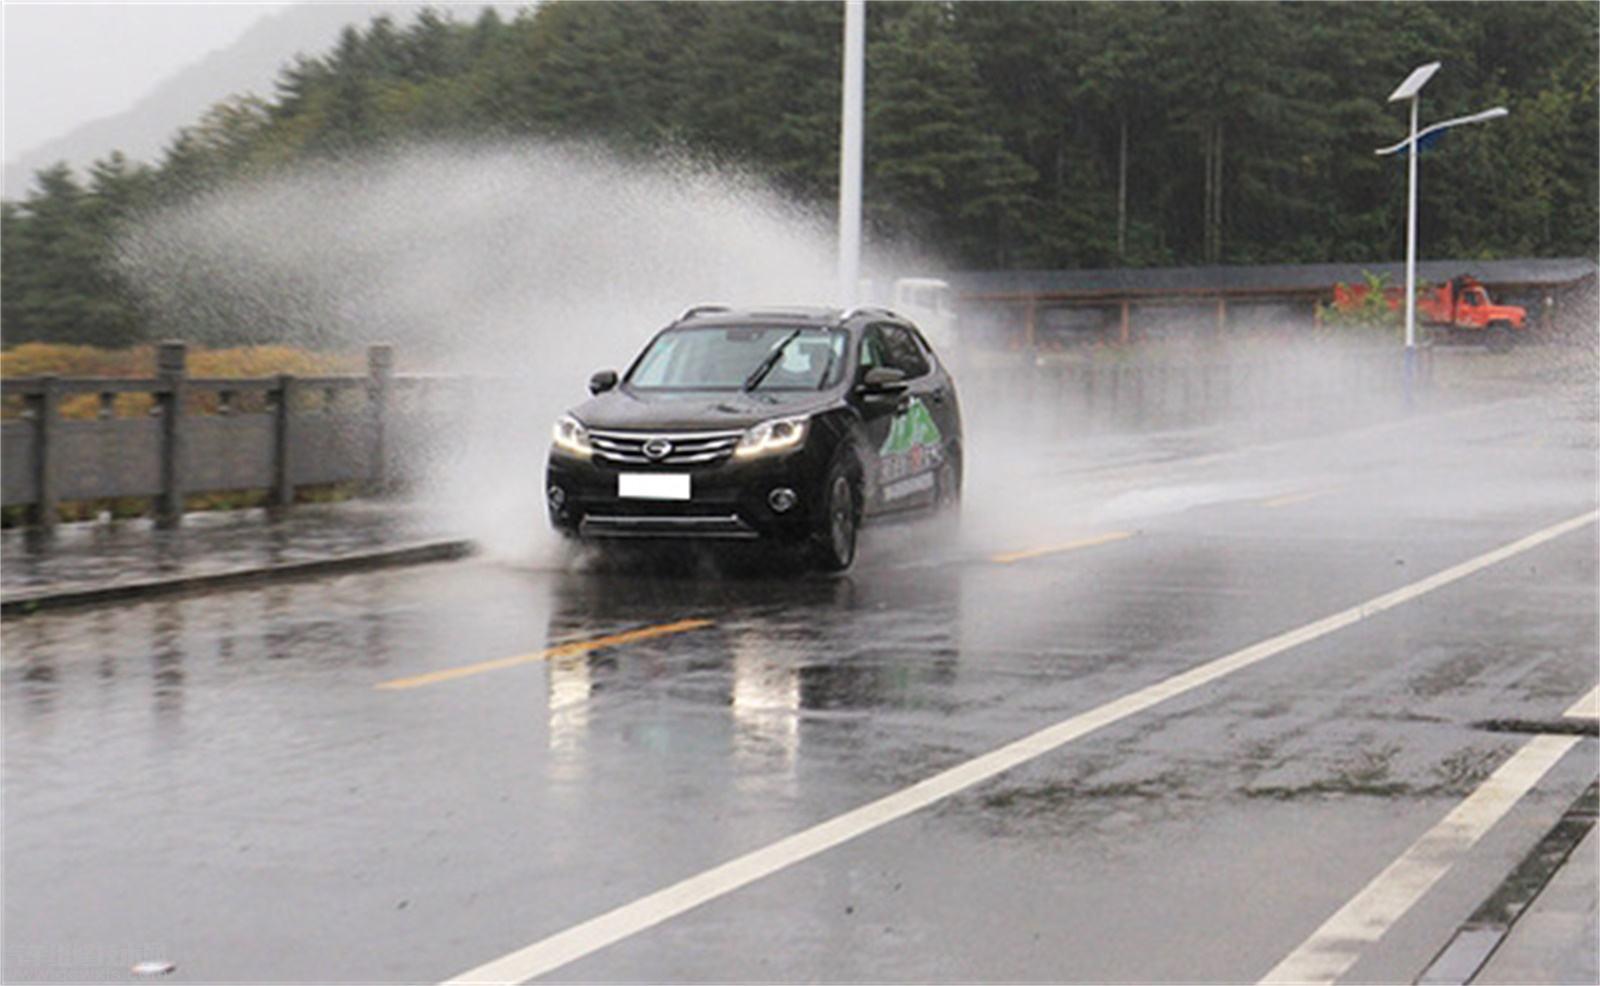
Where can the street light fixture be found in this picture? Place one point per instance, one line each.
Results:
(1411, 89)
(1482, 117)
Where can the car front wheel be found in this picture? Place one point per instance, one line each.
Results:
(836, 534)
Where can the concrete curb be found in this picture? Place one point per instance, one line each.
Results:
(1469, 950)
(24, 603)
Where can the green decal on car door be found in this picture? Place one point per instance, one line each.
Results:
(915, 445)
(912, 427)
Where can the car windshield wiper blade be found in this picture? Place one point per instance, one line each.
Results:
(769, 361)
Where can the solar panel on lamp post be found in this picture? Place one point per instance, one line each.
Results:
(1411, 90)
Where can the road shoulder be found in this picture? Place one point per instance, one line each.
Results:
(1558, 939)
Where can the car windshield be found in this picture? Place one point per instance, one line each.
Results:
(728, 357)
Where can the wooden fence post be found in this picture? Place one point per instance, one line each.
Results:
(46, 428)
(171, 369)
(282, 415)
(380, 378)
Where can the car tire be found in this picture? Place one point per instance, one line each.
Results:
(834, 541)
(1501, 338)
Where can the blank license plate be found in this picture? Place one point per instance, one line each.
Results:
(653, 485)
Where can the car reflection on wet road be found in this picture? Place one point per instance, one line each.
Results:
(412, 775)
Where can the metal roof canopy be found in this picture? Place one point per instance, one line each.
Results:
(1414, 82)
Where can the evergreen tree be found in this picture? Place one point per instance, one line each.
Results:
(59, 281)
(763, 89)
(933, 164)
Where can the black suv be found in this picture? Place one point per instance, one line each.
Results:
(795, 425)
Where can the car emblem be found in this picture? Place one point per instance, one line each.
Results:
(657, 449)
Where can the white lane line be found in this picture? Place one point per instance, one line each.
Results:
(1333, 948)
(596, 933)
(1587, 707)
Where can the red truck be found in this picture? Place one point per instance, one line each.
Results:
(1460, 306)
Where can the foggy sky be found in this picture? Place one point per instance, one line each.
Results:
(69, 63)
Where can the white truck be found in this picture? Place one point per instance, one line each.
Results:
(929, 302)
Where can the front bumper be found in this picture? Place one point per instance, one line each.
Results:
(729, 527)
(728, 500)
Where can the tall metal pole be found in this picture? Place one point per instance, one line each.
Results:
(851, 129)
(1408, 384)
(1411, 89)
(1410, 236)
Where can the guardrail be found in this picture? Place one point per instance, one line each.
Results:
(204, 435)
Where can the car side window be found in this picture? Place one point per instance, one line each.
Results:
(924, 348)
(871, 350)
(899, 350)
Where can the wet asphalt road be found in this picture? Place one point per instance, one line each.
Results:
(219, 781)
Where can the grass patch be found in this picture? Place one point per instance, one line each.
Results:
(33, 359)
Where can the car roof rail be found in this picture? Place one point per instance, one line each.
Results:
(867, 310)
(694, 311)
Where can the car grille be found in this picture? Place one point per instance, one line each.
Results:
(685, 448)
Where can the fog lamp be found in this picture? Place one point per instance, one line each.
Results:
(782, 499)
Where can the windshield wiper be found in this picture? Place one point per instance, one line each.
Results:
(768, 362)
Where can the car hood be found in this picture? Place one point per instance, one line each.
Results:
(624, 409)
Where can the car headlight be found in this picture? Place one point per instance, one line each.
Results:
(777, 435)
(570, 436)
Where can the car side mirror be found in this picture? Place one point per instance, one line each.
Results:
(883, 380)
(602, 381)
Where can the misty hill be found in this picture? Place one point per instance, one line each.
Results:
(249, 65)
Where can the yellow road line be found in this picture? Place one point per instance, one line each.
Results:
(561, 650)
(1289, 498)
(1088, 542)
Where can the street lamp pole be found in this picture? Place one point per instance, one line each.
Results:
(851, 130)
(1411, 89)
(1411, 249)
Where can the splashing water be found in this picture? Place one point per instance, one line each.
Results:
(531, 264)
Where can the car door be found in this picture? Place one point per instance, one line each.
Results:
(941, 398)
(878, 413)
(906, 438)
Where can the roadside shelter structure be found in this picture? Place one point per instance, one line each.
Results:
(1046, 310)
